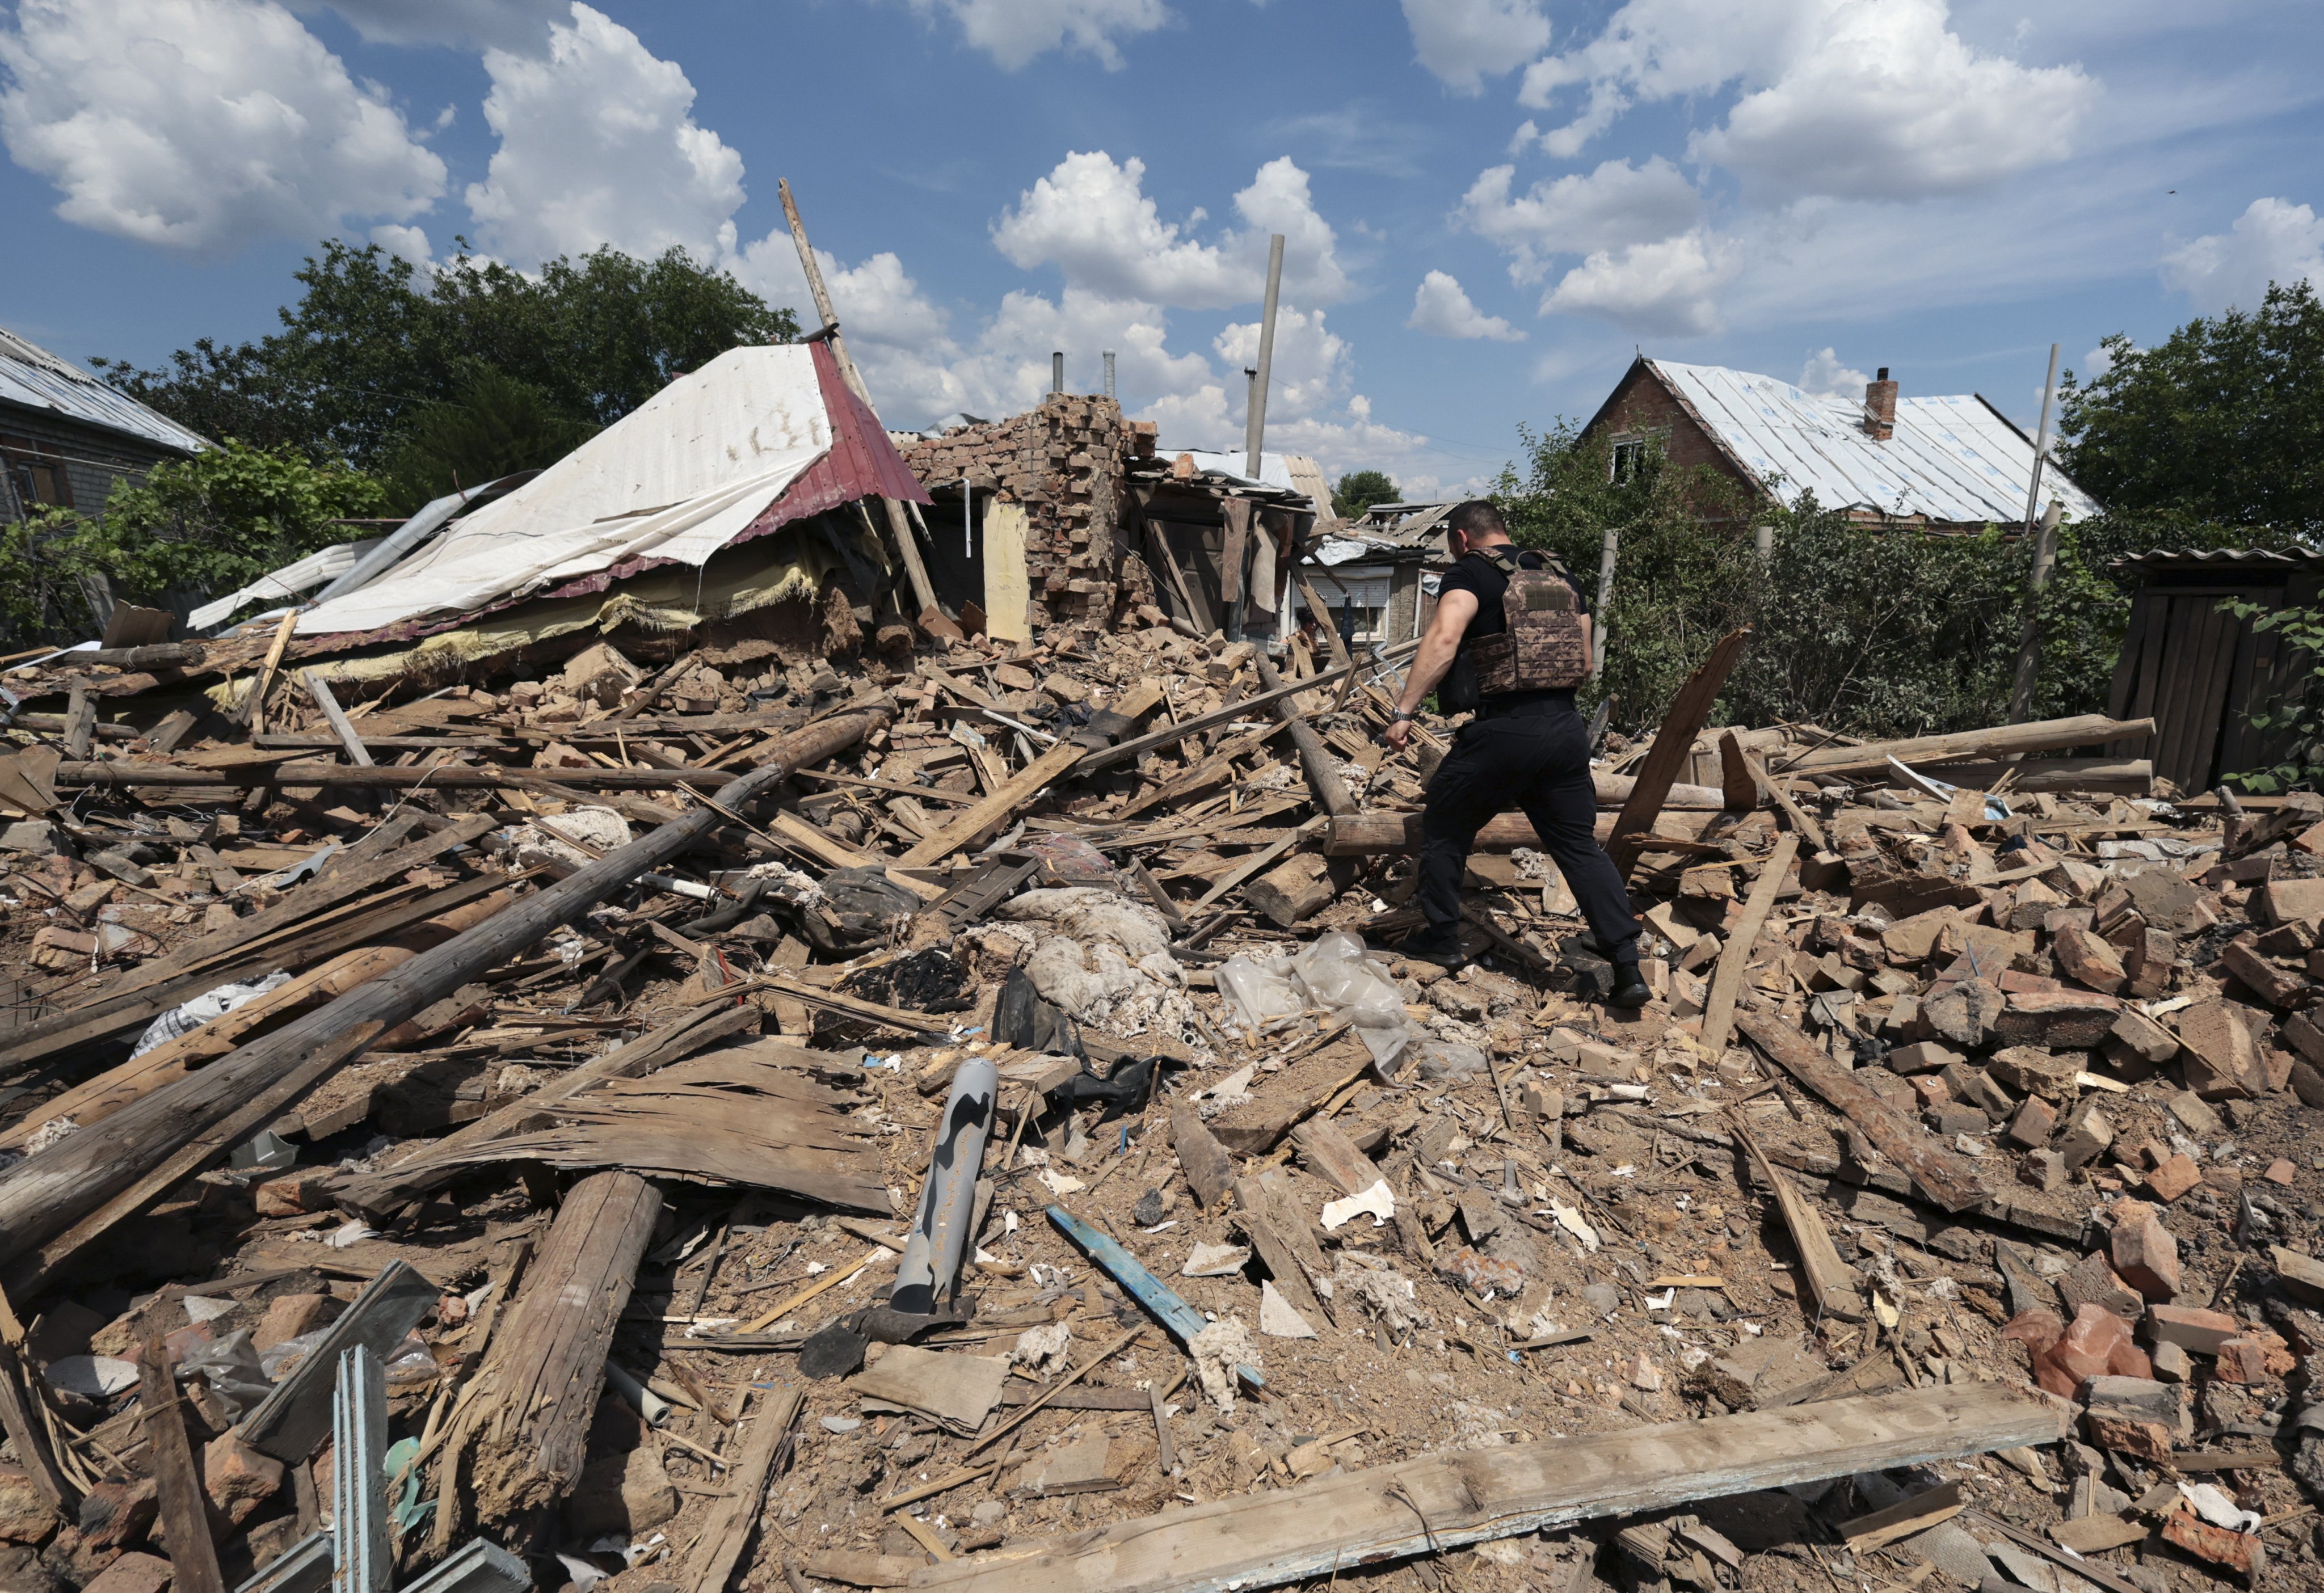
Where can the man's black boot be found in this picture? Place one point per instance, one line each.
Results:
(1437, 943)
(1630, 991)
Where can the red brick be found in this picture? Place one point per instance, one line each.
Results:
(2192, 1327)
(2145, 1255)
(2217, 1544)
(2174, 1177)
(25, 1517)
(2149, 1440)
(237, 1478)
(2240, 1360)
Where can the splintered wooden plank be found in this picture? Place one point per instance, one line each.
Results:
(1943, 1175)
(1449, 1500)
(1727, 983)
(1674, 745)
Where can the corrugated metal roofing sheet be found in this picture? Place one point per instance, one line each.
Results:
(2225, 555)
(1951, 459)
(31, 376)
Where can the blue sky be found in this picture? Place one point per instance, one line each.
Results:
(1491, 204)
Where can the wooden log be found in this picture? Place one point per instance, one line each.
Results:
(274, 770)
(47, 1193)
(437, 1163)
(176, 1485)
(1943, 1175)
(1315, 760)
(1364, 834)
(537, 1391)
(1673, 746)
(1451, 1499)
(1727, 982)
(1294, 891)
(1737, 779)
(1209, 1170)
(2130, 777)
(1258, 1214)
(2000, 741)
(164, 655)
(24, 1429)
(80, 721)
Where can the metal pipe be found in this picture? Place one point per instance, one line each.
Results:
(1109, 373)
(360, 1561)
(929, 1267)
(968, 519)
(1057, 373)
(1255, 426)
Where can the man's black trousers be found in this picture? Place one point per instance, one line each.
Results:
(1534, 758)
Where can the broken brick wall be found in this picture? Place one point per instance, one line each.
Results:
(1064, 462)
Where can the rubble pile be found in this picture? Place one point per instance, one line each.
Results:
(673, 1117)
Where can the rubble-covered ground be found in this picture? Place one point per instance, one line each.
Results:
(2095, 1005)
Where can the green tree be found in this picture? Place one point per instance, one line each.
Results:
(190, 530)
(372, 343)
(1358, 490)
(2209, 436)
(497, 424)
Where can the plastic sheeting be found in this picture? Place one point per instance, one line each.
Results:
(675, 479)
(1330, 973)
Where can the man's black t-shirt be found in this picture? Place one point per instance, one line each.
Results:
(1479, 575)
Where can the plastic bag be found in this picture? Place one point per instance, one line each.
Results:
(1258, 996)
(1444, 1059)
(1337, 977)
(279, 1360)
(233, 1370)
(210, 1004)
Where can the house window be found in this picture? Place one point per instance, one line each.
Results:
(38, 481)
(1629, 458)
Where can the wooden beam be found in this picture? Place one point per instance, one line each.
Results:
(1331, 792)
(2000, 741)
(1791, 810)
(335, 716)
(1690, 711)
(1452, 1499)
(176, 1485)
(1831, 1287)
(252, 709)
(1943, 1175)
(727, 1532)
(1727, 982)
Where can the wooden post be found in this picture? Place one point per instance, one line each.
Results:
(1606, 553)
(896, 526)
(2029, 642)
(43, 1195)
(1322, 777)
(176, 1485)
(1254, 424)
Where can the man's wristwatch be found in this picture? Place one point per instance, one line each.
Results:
(1404, 714)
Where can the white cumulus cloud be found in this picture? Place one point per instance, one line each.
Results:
(1667, 287)
(1617, 203)
(598, 145)
(1855, 98)
(1441, 307)
(1823, 375)
(1090, 217)
(1014, 32)
(1464, 42)
(201, 123)
(2273, 241)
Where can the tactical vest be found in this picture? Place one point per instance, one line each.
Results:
(1542, 647)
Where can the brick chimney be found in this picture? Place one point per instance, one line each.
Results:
(1880, 406)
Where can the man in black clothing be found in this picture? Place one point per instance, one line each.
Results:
(1526, 750)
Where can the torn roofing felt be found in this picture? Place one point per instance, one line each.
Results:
(757, 439)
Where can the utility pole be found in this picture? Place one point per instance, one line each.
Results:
(1109, 374)
(1254, 430)
(2043, 536)
(932, 617)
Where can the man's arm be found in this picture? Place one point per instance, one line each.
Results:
(1454, 610)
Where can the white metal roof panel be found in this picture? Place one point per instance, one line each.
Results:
(1951, 458)
(31, 376)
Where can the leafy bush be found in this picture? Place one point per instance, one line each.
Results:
(191, 529)
(2300, 716)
